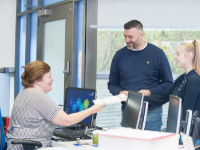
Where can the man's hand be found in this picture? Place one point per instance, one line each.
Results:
(124, 92)
(145, 92)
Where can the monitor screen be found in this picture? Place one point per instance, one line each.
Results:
(174, 114)
(79, 99)
(133, 110)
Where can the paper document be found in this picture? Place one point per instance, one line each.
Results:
(111, 100)
(187, 142)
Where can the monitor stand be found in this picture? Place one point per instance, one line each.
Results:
(186, 125)
(93, 122)
(85, 130)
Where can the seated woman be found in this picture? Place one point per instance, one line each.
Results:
(186, 86)
(34, 114)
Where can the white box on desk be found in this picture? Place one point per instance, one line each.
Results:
(130, 139)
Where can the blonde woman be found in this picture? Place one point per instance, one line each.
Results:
(186, 86)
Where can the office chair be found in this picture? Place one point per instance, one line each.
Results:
(27, 144)
(2, 136)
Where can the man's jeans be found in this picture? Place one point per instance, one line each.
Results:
(154, 119)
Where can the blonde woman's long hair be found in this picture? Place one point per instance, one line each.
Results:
(195, 49)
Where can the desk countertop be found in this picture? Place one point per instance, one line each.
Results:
(71, 144)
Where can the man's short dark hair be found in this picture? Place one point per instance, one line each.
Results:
(133, 24)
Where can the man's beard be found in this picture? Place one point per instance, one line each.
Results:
(135, 45)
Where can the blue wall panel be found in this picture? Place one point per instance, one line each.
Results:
(33, 36)
(48, 2)
(22, 45)
(23, 8)
(79, 43)
(34, 3)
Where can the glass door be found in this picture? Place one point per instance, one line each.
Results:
(55, 47)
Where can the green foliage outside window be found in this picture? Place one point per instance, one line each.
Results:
(109, 41)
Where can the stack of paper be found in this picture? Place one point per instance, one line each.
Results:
(131, 139)
(111, 100)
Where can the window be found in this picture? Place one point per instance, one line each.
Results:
(112, 39)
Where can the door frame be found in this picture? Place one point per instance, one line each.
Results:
(90, 15)
(89, 40)
(64, 11)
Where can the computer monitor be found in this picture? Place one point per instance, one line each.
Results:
(195, 128)
(133, 110)
(186, 124)
(143, 116)
(79, 99)
(174, 114)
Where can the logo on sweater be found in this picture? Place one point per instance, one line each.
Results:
(147, 62)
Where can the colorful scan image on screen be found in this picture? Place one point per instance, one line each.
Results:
(77, 99)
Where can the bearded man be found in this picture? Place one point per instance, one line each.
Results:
(142, 67)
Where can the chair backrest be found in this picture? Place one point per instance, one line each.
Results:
(2, 136)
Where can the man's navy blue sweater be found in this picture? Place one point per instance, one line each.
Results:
(135, 70)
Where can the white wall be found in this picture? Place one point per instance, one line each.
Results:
(152, 13)
(7, 53)
(7, 32)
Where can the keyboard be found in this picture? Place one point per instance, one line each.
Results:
(68, 133)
